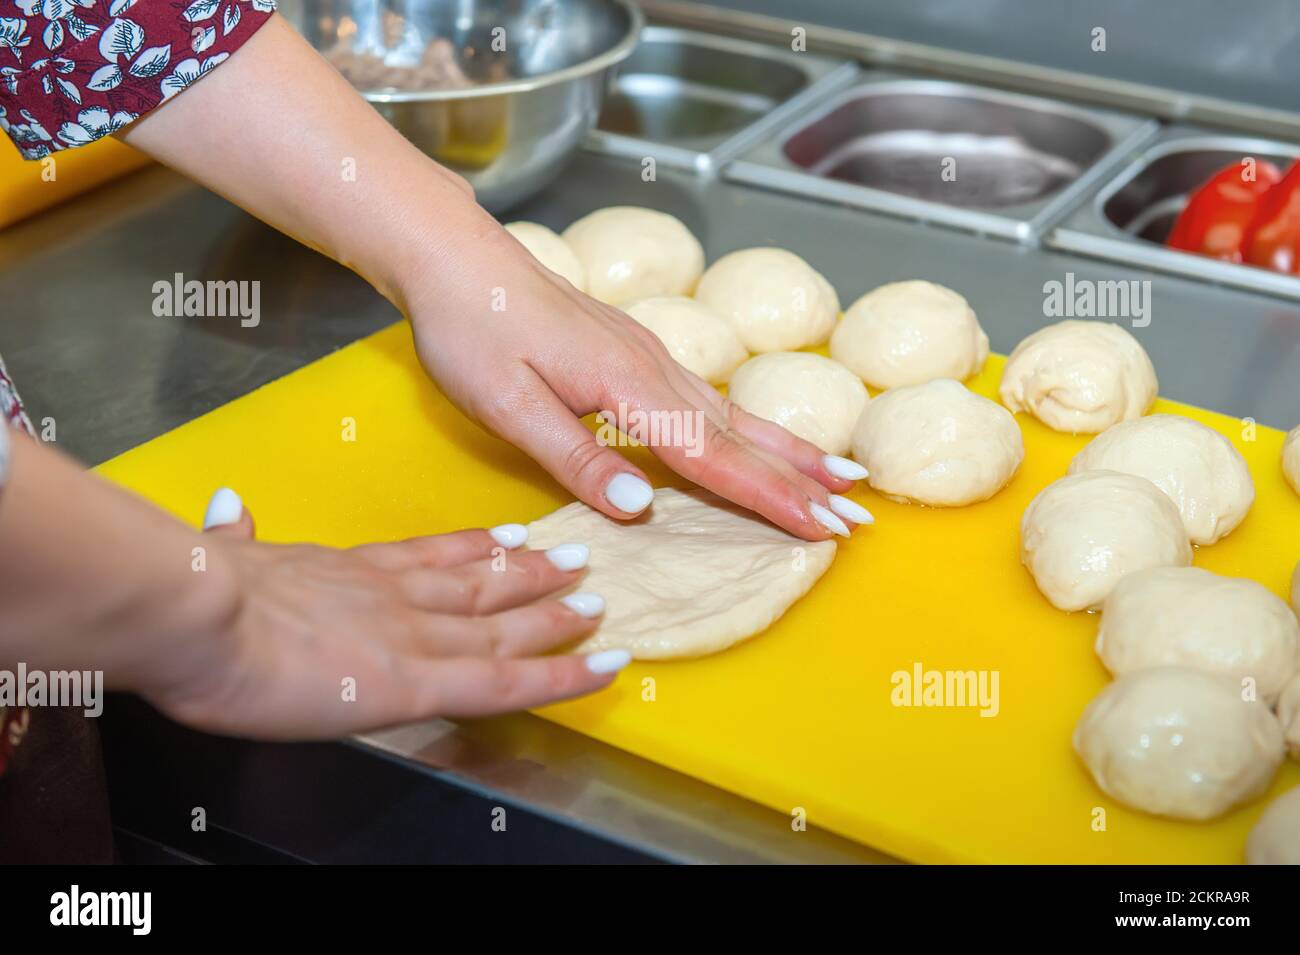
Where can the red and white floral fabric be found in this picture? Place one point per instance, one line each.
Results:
(73, 71)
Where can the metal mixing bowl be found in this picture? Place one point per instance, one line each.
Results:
(539, 71)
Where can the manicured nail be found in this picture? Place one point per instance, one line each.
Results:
(844, 468)
(827, 520)
(585, 605)
(629, 493)
(568, 556)
(849, 510)
(608, 661)
(510, 536)
(224, 508)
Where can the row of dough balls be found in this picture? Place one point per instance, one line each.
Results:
(649, 264)
(1075, 376)
(914, 338)
(1205, 702)
(1187, 729)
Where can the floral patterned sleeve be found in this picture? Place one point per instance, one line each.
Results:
(72, 71)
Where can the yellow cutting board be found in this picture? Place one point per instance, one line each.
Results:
(800, 717)
(30, 186)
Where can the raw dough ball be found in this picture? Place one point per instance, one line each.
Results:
(1291, 458)
(552, 251)
(937, 443)
(695, 335)
(814, 397)
(1079, 376)
(1178, 742)
(694, 575)
(1288, 714)
(1295, 590)
(632, 253)
(906, 333)
(1196, 466)
(1185, 616)
(774, 300)
(1082, 533)
(1275, 839)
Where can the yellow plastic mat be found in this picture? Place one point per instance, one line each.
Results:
(29, 187)
(799, 718)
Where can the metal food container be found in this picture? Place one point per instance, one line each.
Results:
(957, 154)
(1129, 217)
(527, 78)
(695, 100)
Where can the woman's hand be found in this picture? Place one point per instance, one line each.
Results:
(316, 642)
(524, 353)
(345, 182)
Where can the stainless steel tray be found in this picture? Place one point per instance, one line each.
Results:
(1018, 162)
(1129, 217)
(694, 100)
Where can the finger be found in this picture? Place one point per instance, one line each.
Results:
(544, 427)
(444, 550)
(725, 462)
(485, 686)
(489, 586)
(226, 514)
(830, 470)
(522, 631)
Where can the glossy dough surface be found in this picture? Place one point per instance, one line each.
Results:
(816, 398)
(630, 253)
(1178, 742)
(1288, 714)
(1200, 470)
(696, 336)
(1079, 377)
(1275, 839)
(693, 576)
(937, 443)
(551, 250)
(1084, 532)
(1291, 458)
(906, 333)
(1186, 616)
(773, 299)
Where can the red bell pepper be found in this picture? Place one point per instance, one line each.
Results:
(1215, 220)
(1273, 239)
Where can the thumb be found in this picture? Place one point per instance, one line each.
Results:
(226, 515)
(555, 438)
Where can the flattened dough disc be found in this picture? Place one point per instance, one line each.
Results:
(693, 576)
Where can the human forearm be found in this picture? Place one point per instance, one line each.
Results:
(279, 132)
(94, 578)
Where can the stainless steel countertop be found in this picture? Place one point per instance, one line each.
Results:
(81, 341)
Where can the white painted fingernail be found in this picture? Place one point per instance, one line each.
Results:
(849, 510)
(608, 661)
(510, 536)
(629, 493)
(844, 468)
(568, 556)
(224, 508)
(827, 519)
(585, 605)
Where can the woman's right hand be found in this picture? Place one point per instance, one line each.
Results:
(317, 642)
